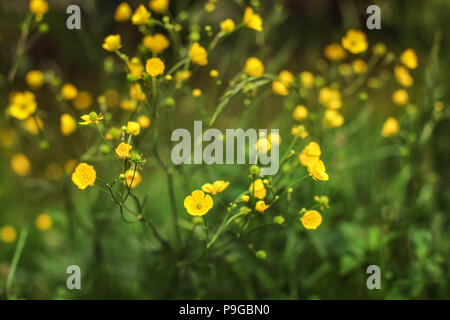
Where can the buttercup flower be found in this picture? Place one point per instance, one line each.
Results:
(261, 206)
(154, 67)
(33, 125)
(196, 93)
(132, 178)
(245, 198)
(409, 58)
(311, 219)
(22, 105)
(69, 91)
(133, 128)
(227, 25)
(197, 203)
(355, 41)
(136, 92)
(198, 54)
(263, 145)
(140, 15)
(8, 234)
(306, 79)
(123, 12)
(67, 124)
(334, 52)
(274, 139)
(310, 154)
(299, 131)
(38, 7)
(332, 119)
(317, 170)
(44, 222)
(34, 79)
(123, 150)
(379, 49)
(359, 66)
(84, 176)
(252, 20)
(112, 42)
(260, 191)
(214, 73)
(20, 164)
(159, 6)
(279, 88)
(300, 113)
(92, 117)
(216, 187)
(390, 127)
(403, 77)
(128, 105)
(400, 97)
(330, 98)
(254, 67)
(144, 121)
(136, 67)
(83, 100)
(156, 43)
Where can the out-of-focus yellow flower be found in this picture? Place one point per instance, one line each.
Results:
(274, 139)
(261, 206)
(136, 92)
(300, 113)
(140, 15)
(22, 104)
(390, 127)
(34, 79)
(159, 6)
(113, 133)
(70, 165)
(144, 121)
(197, 203)
(67, 124)
(263, 145)
(400, 97)
(310, 154)
(33, 125)
(379, 49)
(132, 179)
(84, 176)
(359, 66)
(43, 222)
(7, 137)
(128, 105)
(254, 67)
(133, 128)
(286, 77)
(333, 119)
(330, 98)
(156, 43)
(112, 98)
(154, 67)
(227, 25)
(299, 131)
(214, 73)
(334, 52)
(83, 100)
(260, 191)
(112, 42)
(136, 67)
(38, 7)
(198, 54)
(20, 164)
(123, 12)
(210, 6)
(323, 201)
(182, 75)
(53, 171)
(409, 58)
(69, 91)
(317, 170)
(311, 219)
(92, 117)
(355, 41)
(8, 234)
(196, 93)
(216, 187)
(402, 75)
(306, 79)
(252, 20)
(245, 198)
(279, 88)
(123, 150)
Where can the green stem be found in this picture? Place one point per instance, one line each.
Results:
(16, 258)
(222, 227)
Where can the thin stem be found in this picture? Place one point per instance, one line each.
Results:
(16, 258)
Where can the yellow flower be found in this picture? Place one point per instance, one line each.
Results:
(182, 75)
(7, 137)
(133, 128)
(154, 66)
(332, 119)
(34, 79)
(67, 124)
(144, 121)
(400, 97)
(112, 98)
(159, 6)
(70, 165)
(112, 42)
(317, 170)
(254, 67)
(216, 187)
(84, 176)
(210, 7)
(279, 88)
(33, 124)
(345, 69)
(128, 105)
(196, 93)
(69, 91)
(359, 66)
(286, 78)
(227, 25)
(307, 79)
(260, 191)
(390, 127)
(136, 67)
(334, 52)
(379, 49)
(311, 219)
(330, 98)
(39, 7)
(310, 154)
(300, 113)
(403, 77)
(92, 117)
(263, 145)
(83, 100)
(245, 198)
(261, 206)
(156, 43)
(20, 164)
(123, 12)
(123, 150)
(140, 15)
(53, 171)
(355, 41)
(8, 234)
(22, 105)
(198, 54)
(44, 222)
(132, 179)
(214, 73)
(197, 203)
(299, 131)
(252, 20)
(409, 58)
(274, 139)
(136, 92)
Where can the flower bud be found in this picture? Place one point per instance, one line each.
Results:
(261, 254)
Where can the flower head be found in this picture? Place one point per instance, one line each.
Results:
(254, 67)
(20, 164)
(317, 170)
(252, 20)
(44, 222)
(67, 124)
(400, 97)
(22, 105)
(216, 187)
(154, 67)
(133, 128)
(390, 127)
(140, 15)
(261, 206)
(123, 12)
(198, 54)
(83, 100)
(227, 25)
(156, 43)
(403, 77)
(112, 42)
(307, 79)
(409, 58)
(8, 234)
(197, 203)
(332, 119)
(299, 131)
(334, 52)
(69, 91)
(123, 150)
(132, 178)
(84, 176)
(136, 67)
(144, 121)
(258, 189)
(311, 219)
(34, 79)
(38, 7)
(310, 154)
(330, 98)
(136, 92)
(92, 117)
(279, 88)
(300, 113)
(159, 6)
(355, 41)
